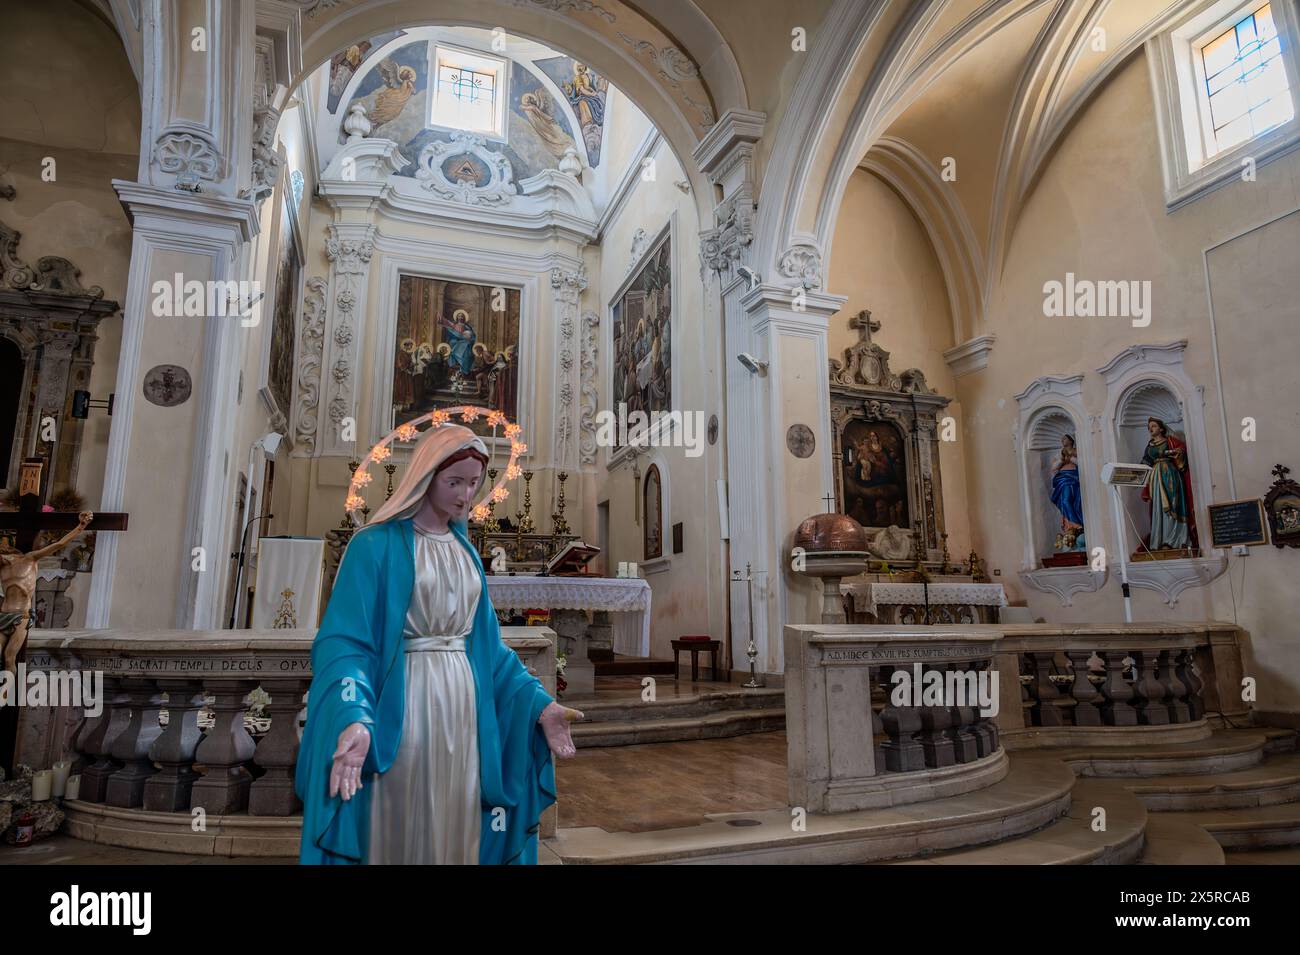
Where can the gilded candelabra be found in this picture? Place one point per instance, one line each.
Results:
(559, 525)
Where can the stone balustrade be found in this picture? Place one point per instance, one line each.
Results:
(851, 746)
(841, 679)
(1116, 684)
(148, 750)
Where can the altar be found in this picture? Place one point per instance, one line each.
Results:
(870, 599)
(569, 598)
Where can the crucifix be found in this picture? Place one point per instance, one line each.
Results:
(830, 502)
(18, 576)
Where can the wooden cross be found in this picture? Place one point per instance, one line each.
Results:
(30, 520)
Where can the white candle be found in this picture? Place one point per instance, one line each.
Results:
(61, 770)
(41, 785)
(74, 786)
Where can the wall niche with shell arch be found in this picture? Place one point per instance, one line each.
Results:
(1051, 409)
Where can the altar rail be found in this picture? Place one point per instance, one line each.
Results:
(1118, 684)
(850, 747)
(839, 677)
(146, 750)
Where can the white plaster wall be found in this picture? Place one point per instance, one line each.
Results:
(1098, 211)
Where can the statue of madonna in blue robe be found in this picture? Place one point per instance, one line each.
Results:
(1066, 496)
(370, 668)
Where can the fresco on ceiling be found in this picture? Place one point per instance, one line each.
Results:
(539, 130)
(395, 94)
(586, 91)
(345, 63)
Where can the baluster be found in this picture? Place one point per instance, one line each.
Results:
(935, 723)
(1187, 673)
(1044, 690)
(1118, 692)
(101, 739)
(1150, 692)
(1085, 694)
(169, 790)
(965, 749)
(144, 702)
(1178, 711)
(901, 723)
(277, 751)
(224, 750)
(984, 728)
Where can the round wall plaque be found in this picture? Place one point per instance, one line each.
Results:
(800, 440)
(167, 385)
(713, 429)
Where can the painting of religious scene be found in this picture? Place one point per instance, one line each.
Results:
(585, 89)
(279, 375)
(457, 344)
(874, 474)
(642, 323)
(394, 93)
(345, 63)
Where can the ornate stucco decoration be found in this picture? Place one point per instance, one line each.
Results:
(490, 181)
(866, 363)
(567, 286)
(187, 156)
(311, 348)
(589, 399)
(803, 263)
(53, 274)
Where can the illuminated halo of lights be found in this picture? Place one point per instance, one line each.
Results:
(409, 430)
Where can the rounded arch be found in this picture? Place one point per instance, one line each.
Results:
(663, 79)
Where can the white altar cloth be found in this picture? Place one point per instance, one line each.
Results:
(629, 597)
(868, 594)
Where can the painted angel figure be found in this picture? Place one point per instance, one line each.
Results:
(427, 740)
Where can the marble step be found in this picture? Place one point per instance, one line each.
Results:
(1069, 840)
(1279, 740)
(1255, 827)
(1033, 795)
(1224, 751)
(1275, 781)
(651, 728)
(1172, 840)
(1284, 856)
(674, 707)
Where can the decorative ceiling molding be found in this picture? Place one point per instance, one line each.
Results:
(921, 184)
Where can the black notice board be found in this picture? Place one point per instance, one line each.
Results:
(1238, 522)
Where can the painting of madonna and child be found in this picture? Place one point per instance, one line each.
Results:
(874, 474)
(456, 344)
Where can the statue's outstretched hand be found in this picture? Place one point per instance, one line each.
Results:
(345, 774)
(555, 720)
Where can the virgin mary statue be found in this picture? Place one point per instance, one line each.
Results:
(427, 740)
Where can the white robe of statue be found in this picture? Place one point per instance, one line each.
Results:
(426, 810)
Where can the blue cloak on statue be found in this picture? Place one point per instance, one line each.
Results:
(1066, 496)
(355, 679)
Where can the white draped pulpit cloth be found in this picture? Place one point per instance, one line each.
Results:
(425, 810)
(289, 575)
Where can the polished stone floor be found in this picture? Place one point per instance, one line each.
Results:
(669, 785)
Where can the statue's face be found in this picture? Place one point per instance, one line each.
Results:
(1153, 428)
(453, 488)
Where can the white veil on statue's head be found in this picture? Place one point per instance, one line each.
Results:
(434, 447)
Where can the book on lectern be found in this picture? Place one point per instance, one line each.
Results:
(572, 560)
